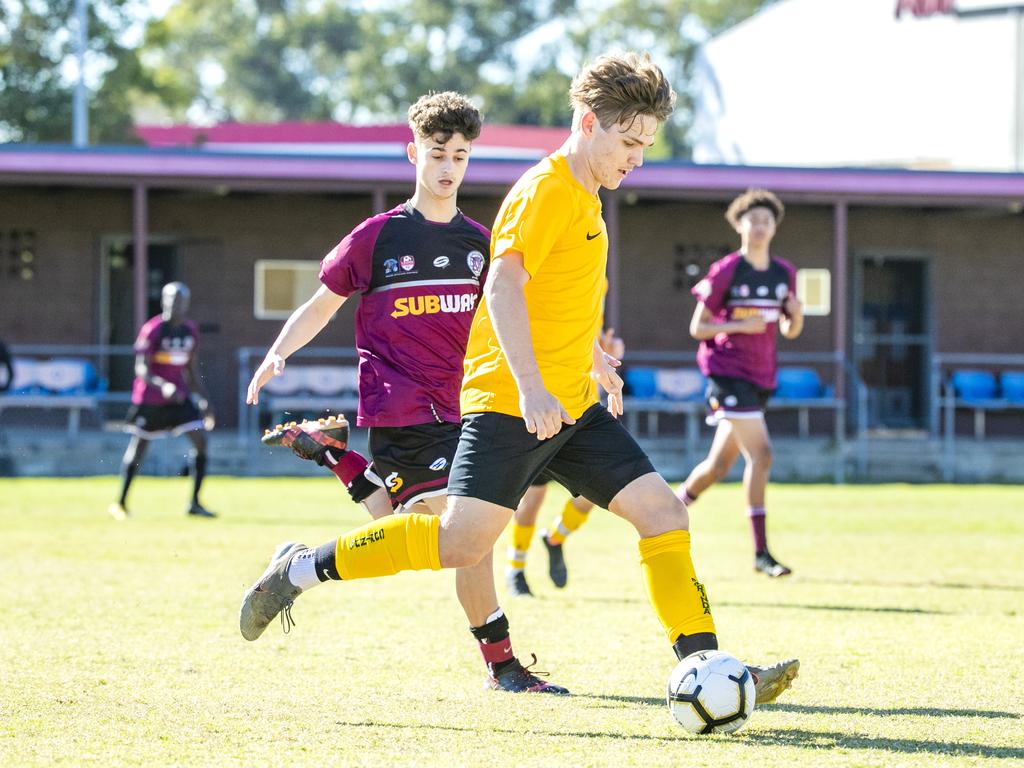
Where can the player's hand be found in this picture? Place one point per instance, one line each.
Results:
(792, 306)
(169, 391)
(606, 375)
(612, 344)
(752, 325)
(272, 365)
(543, 414)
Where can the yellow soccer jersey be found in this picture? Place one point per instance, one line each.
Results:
(556, 224)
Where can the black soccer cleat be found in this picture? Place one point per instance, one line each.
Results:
(515, 583)
(195, 509)
(769, 566)
(515, 678)
(310, 439)
(556, 561)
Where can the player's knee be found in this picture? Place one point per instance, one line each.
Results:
(461, 557)
(762, 455)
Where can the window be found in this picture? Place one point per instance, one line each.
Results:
(281, 286)
(814, 289)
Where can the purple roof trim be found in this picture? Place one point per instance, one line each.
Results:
(179, 167)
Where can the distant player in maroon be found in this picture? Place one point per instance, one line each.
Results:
(167, 396)
(742, 301)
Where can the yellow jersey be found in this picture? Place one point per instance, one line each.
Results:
(556, 224)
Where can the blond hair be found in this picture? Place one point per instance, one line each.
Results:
(443, 114)
(618, 88)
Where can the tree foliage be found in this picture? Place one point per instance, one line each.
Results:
(272, 60)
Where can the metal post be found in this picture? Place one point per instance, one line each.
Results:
(80, 107)
(140, 253)
(611, 304)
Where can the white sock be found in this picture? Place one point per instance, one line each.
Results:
(302, 570)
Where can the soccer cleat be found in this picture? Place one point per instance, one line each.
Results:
(117, 511)
(195, 509)
(556, 561)
(272, 594)
(515, 678)
(771, 681)
(310, 439)
(515, 583)
(769, 566)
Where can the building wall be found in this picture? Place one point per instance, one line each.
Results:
(976, 256)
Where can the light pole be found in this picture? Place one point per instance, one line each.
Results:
(80, 106)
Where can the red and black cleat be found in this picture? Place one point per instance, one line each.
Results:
(515, 678)
(310, 439)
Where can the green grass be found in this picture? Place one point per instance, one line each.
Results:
(119, 642)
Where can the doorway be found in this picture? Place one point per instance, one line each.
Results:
(892, 338)
(117, 294)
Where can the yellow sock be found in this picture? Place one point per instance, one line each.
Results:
(567, 522)
(521, 536)
(407, 542)
(672, 587)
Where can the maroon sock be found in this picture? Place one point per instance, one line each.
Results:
(350, 466)
(757, 516)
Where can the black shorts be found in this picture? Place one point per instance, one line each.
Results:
(498, 459)
(413, 462)
(732, 398)
(149, 421)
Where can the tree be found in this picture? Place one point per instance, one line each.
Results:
(35, 91)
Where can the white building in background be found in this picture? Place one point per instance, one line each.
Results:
(847, 83)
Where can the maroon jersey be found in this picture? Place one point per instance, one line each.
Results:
(168, 350)
(420, 282)
(734, 290)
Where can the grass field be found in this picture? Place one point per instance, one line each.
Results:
(120, 645)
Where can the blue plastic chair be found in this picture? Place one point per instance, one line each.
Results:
(1012, 385)
(973, 386)
(641, 381)
(798, 384)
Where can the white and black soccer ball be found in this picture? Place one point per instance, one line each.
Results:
(711, 692)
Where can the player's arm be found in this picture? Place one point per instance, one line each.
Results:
(299, 329)
(603, 370)
(703, 325)
(196, 385)
(506, 302)
(792, 321)
(143, 371)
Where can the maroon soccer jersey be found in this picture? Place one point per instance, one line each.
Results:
(420, 282)
(734, 290)
(168, 349)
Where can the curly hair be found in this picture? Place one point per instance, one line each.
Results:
(754, 198)
(618, 88)
(443, 114)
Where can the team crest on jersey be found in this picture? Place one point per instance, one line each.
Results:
(762, 290)
(731, 401)
(441, 262)
(408, 263)
(390, 267)
(781, 291)
(475, 260)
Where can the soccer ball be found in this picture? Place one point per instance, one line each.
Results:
(711, 692)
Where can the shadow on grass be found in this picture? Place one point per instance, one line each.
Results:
(914, 585)
(795, 606)
(843, 608)
(830, 740)
(816, 740)
(815, 709)
(893, 712)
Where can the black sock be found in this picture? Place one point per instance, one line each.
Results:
(197, 462)
(326, 566)
(128, 471)
(687, 644)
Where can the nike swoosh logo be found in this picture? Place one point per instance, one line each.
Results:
(507, 649)
(591, 237)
